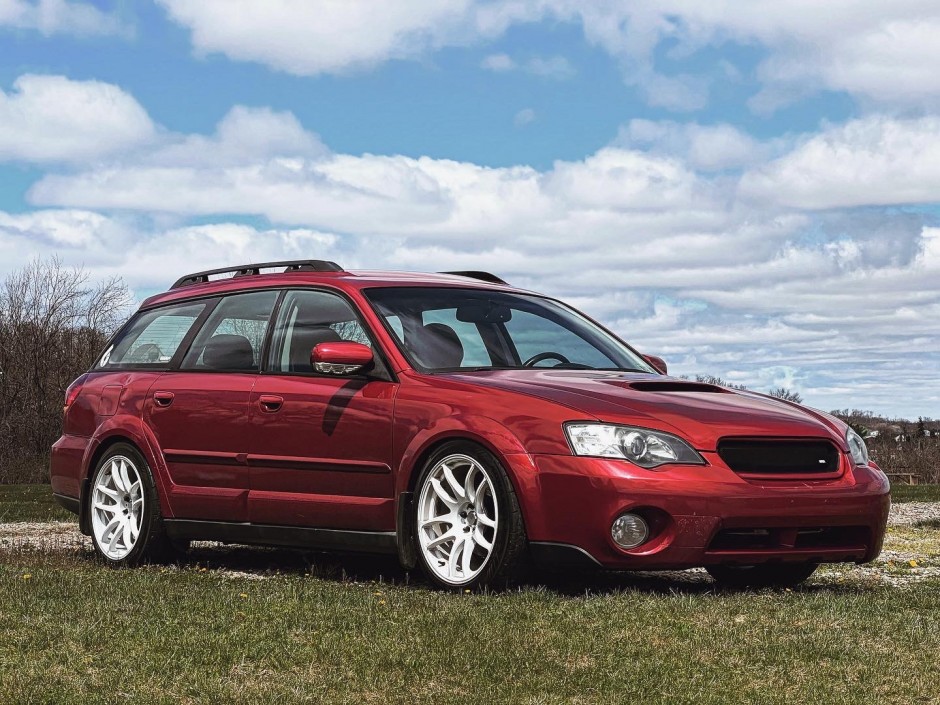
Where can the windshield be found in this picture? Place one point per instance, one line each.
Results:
(473, 329)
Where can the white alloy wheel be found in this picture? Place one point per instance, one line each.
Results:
(117, 507)
(458, 519)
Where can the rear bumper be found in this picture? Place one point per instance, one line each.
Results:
(703, 515)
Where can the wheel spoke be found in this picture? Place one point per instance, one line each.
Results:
(442, 493)
(443, 519)
(468, 489)
(112, 544)
(486, 521)
(109, 508)
(135, 489)
(443, 538)
(467, 555)
(481, 540)
(125, 478)
(127, 533)
(454, 556)
(113, 494)
(452, 481)
(116, 478)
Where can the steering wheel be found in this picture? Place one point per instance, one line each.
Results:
(535, 359)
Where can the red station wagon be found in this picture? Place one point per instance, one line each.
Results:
(467, 426)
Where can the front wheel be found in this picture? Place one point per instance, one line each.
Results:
(469, 529)
(772, 575)
(126, 525)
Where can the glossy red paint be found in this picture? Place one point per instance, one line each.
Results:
(343, 353)
(339, 452)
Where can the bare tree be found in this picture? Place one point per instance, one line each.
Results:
(53, 323)
(786, 395)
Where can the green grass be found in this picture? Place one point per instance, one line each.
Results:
(264, 626)
(74, 631)
(915, 493)
(30, 503)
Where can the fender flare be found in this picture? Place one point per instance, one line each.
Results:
(133, 430)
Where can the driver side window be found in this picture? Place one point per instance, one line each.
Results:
(307, 318)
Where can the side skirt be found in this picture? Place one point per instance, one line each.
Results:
(70, 503)
(290, 536)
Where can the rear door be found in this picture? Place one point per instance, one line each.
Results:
(199, 412)
(320, 444)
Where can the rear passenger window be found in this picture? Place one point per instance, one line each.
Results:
(153, 337)
(233, 336)
(307, 318)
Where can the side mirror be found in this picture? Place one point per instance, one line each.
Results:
(658, 363)
(341, 358)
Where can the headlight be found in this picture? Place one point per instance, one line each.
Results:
(640, 446)
(857, 447)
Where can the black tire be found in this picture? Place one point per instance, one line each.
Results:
(151, 543)
(767, 575)
(507, 562)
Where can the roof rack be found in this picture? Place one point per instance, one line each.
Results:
(300, 265)
(482, 276)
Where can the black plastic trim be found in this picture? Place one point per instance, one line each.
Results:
(310, 265)
(561, 555)
(72, 504)
(479, 275)
(290, 536)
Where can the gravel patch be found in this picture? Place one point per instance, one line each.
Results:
(913, 513)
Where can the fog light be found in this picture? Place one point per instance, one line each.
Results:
(629, 530)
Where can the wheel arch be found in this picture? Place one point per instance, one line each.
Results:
(486, 433)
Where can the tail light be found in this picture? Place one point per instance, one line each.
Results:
(74, 389)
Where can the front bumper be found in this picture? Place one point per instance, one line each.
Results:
(702, 515)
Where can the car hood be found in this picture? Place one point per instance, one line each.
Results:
(700, 413)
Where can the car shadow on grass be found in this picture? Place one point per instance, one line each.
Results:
(258, 562)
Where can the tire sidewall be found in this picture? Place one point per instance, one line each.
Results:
(150, 525)
(502, 489)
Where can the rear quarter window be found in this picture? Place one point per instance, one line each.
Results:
(152, 338)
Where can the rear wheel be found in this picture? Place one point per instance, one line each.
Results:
(126, 525)
(764, 575)
(469, 529)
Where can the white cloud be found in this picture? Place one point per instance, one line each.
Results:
(876, 160)
(50, 17)
(320, 36)
(524, 117)
(882, 52)
(51, 118)
(553, 67)
(693, 241)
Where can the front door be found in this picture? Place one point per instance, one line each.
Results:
(200, 412)
(320, 444)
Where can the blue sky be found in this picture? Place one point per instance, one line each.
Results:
(750, 190)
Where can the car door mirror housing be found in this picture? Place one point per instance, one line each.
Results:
(340, 358)
(658, 363)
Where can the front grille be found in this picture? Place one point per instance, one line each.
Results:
(783, 539)
(779, 457)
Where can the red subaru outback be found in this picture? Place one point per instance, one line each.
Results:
(455, 421)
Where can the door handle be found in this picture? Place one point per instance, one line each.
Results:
(163, 399)
(270, 403)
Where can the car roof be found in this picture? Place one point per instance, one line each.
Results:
(340, 279)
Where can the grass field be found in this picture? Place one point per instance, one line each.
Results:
(258, 626)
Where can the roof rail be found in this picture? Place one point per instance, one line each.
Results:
(244, 270)
(482, 276)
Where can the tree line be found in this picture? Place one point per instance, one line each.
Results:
(54, 322)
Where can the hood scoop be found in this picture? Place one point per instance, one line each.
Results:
(678, 386)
